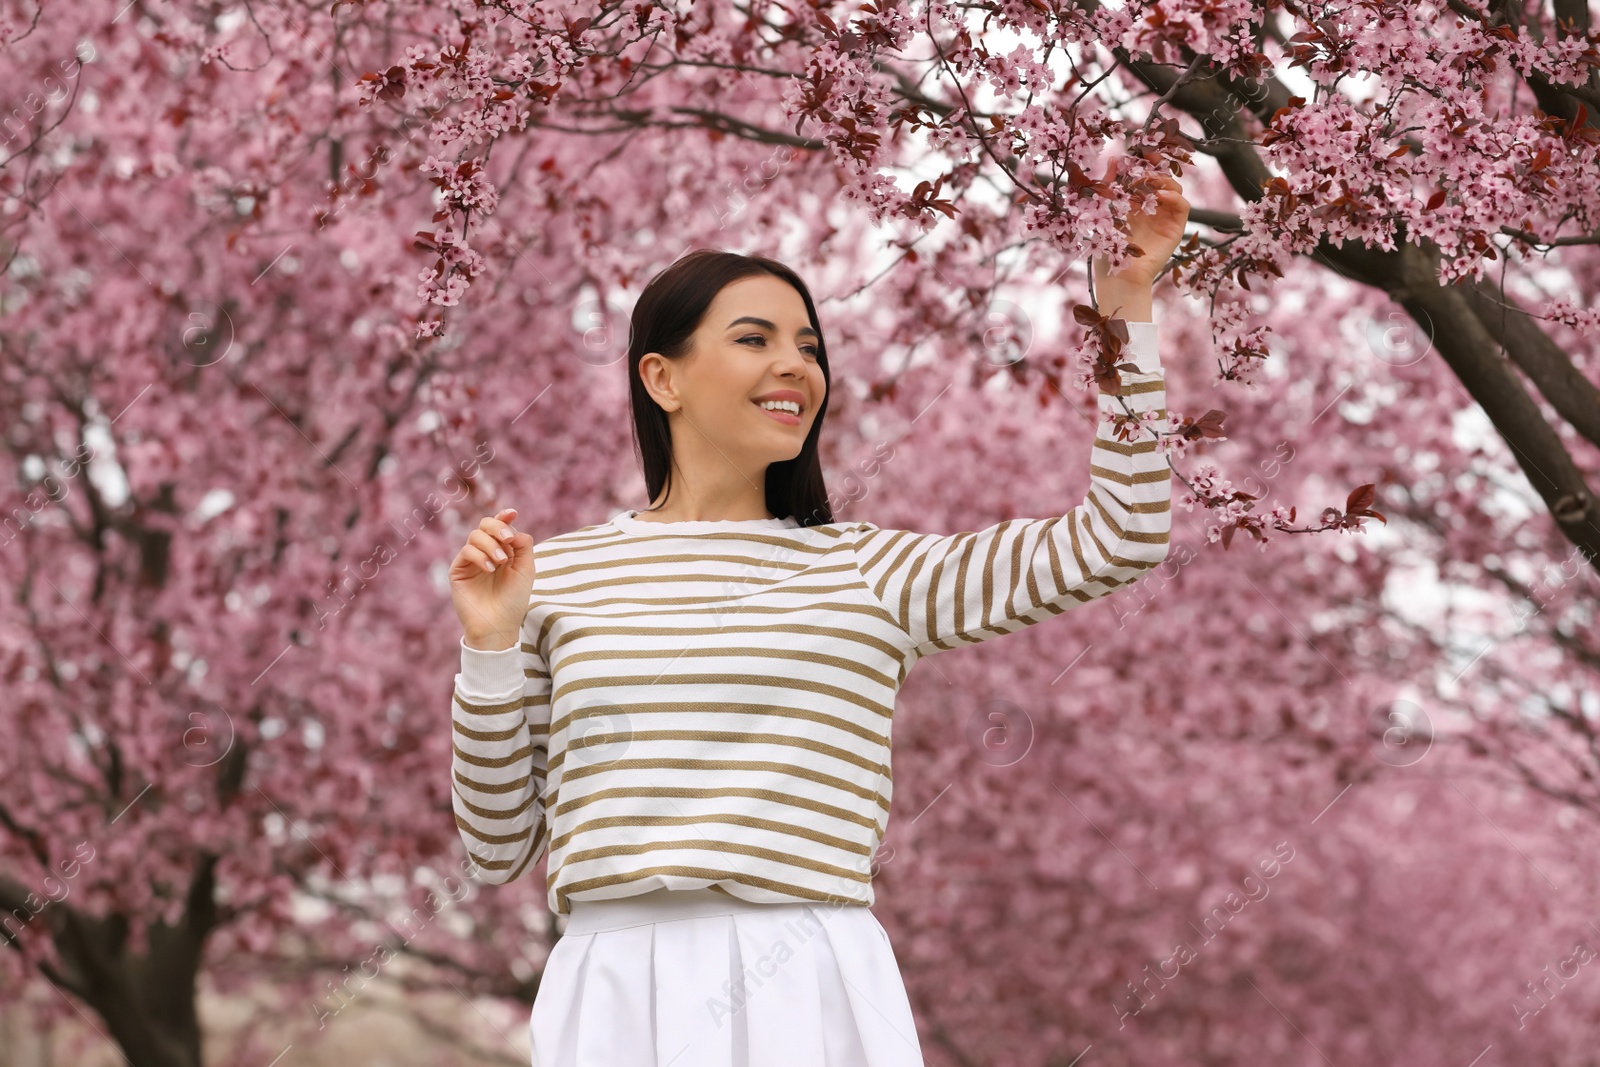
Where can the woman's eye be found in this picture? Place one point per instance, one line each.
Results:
(810, 351)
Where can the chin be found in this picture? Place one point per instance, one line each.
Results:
(781, 455)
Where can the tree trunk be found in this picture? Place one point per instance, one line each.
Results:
(146, 1000)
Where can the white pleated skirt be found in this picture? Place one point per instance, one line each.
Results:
(696, 978)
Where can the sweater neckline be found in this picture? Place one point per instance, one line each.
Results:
(628, 523)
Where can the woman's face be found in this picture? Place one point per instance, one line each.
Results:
(755, 343)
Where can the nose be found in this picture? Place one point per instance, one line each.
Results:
(791, 362)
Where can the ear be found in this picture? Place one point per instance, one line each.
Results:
(655, 371)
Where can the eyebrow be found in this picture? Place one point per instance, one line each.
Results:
(804, 331)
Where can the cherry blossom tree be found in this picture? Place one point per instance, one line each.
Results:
(295, 293)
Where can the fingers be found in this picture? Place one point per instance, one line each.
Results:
(1158, 184)
(495, 542)
(469, 560)
(489, 549)
(498, 525)
(499, 528)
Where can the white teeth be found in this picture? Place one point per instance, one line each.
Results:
(781, 405)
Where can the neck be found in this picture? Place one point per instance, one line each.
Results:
(684, 504)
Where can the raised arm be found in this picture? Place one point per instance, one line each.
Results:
(500, 714)
(500, 711)
(947, 590)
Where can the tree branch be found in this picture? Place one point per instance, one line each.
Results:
(1409, 275)
(1573, 396)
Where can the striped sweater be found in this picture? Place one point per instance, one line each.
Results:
(708, 703)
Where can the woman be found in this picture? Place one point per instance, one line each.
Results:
(689, 707)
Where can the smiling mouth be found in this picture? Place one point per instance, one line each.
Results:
(788, 418)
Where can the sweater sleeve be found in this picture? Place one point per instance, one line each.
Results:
(500, 726)
(948, 590)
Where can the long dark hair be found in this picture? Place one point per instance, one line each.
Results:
(668, 312)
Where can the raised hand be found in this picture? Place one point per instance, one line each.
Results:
(1156, 236)
(490, 582)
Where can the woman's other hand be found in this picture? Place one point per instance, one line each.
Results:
(491, 581)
